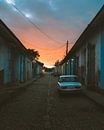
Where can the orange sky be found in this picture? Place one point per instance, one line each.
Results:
(49, 53)
(61, 20)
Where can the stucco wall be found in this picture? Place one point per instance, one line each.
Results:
(16, 66)
(102, 59)
(96, 40)
(4, 61)
(1, 55)
(39, 69)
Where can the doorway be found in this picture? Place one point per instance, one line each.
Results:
(91, 66)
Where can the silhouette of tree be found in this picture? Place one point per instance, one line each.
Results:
(57, 63)
(33, 54)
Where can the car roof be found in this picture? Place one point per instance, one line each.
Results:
(62, 76)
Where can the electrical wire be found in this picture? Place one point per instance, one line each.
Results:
(38, 28)
(46, 49)
(52, 53)
(35, 25)
(49, 37)
(51, 49)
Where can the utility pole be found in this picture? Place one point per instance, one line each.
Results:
(67, 43)
(66, 66)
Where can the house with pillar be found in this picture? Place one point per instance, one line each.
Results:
(15, 64)
(86, 58)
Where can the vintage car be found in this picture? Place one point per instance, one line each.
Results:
(69, 83)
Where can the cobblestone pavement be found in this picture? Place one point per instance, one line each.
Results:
(40, 107)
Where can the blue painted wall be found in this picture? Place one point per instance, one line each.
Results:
(16, 65)
(4, 63)
(102, 61)
(68, 67)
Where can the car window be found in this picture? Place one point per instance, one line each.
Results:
(68, 79)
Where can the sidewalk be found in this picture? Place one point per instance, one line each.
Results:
(95, 96)
(8, 92)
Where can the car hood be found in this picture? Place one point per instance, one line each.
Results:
(66, 84)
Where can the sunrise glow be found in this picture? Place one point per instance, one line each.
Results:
(46, 25)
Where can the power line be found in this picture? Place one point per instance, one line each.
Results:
(38, 28)
(51, 52)
(46, 49)
(50, 49)
(35, 25)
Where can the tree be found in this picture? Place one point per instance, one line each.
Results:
(57, 63)
(33, 54)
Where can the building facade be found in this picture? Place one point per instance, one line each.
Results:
(37, 68)
(86, 58)
(15, 64)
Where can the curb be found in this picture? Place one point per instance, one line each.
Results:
(94, 96)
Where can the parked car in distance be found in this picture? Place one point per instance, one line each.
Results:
(69, 83)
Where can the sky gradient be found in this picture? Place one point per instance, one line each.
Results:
(61, 20)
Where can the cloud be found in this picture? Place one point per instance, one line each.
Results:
(52, 5)
(10, 2)
(60, 19)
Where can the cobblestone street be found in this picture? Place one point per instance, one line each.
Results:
(40, 107)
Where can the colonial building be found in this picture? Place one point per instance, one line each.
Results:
(15, 64)
(86, 58)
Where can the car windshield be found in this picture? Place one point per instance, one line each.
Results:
(68, 79)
